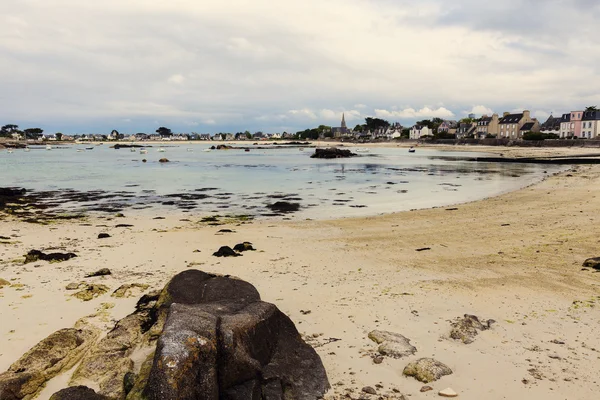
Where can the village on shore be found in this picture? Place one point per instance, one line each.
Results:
(579, 124)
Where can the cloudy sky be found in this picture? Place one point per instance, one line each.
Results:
(229, 65)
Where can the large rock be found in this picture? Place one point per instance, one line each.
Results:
(55, 354)
(208, 337)
(427, 370)
(466, 328)
(332, 152)
(35, 255)
(392, 344)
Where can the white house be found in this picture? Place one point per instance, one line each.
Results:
(418, 131)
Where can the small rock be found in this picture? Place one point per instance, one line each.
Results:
(73, 286)
(426, 389)
(103, 236)
(448, 393)
(427, 370)
(369, 390)
(592, 263)
(392, 344)
(241, 247)
(468, 327)
(4, 282)
(144, 160)
(163, 160)
(377, 360)
(91, 291)
(226, 251)
(100, 272)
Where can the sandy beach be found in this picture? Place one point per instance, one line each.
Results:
(516, 259)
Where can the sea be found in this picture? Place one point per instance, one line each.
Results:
(260, 182)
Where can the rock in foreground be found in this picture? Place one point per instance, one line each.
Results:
(202, 337)
(427, 370)
(332, 152)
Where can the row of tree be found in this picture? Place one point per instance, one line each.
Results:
(10, 130)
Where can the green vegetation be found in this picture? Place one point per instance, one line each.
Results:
(539, 136)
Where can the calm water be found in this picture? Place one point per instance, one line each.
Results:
(383, 180)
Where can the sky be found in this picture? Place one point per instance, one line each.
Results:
(229, 65)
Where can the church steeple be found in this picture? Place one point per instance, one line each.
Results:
(343, 122)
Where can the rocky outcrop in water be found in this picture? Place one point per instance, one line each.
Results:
(202, 337)
(332, 152)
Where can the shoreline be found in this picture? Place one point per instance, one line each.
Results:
(515, 258)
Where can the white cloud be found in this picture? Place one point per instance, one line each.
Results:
(411, 113)
(177, 79)
(305, 112)
(481, 110)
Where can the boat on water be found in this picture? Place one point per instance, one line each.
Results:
(411, 150)
(161, 150)
(206, 150)
(247, 150)
(48, 147)
(301, 148)
(143, 151)
(132, 150)
(190, 150)
(27, 149)
(89, 148)
(10, 151)
(362, 150)
(80, 150)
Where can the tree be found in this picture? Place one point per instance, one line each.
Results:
(8, 130)
(248, 134)
(359, 128)
(33, 133)
(374, 124)
(592, 108)
(162, 131)
(58, 136)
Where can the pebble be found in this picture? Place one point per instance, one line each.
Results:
(448, 393)
(369, 390)
(426, 389)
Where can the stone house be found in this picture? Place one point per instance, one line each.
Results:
(511, 124)
(419, 131)
(488, 126)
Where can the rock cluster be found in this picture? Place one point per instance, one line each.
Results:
(332, 152)
(427, 370)
(392, 344)
(202, 337)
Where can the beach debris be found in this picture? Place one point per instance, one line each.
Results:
(36, 255)
(123, 226)
(127, 290)
(74, 286)
(284, 207)
(226, 231)
(426, 370)
(55, 354)
(424, 249)
(119, 215)
(226, 251)
(100, 272)
(305, 312)
(91, 291)
(465, 329)
(158, 218)
(451, 209)
(392, 344)
(4, 282)
(163, 160)
(448, 392)
(332, 152)
(426, 389)
(78, 393)
(592, 263)
(245, 246)
(103, 236)
(377, 359)
(369, 390)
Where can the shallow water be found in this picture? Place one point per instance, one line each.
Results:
(239, 182)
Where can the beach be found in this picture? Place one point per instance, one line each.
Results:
(516, 259)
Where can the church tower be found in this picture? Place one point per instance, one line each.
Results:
(344, 127)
